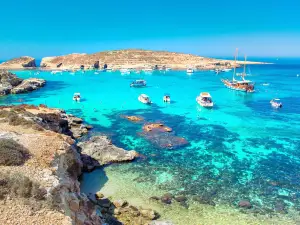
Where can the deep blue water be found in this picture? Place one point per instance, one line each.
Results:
(241, 149)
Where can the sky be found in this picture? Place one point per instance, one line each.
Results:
(206, 28)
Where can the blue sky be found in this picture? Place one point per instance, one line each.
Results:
(208, 28)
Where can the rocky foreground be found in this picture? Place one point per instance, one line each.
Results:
(11, 84)
(39, 168)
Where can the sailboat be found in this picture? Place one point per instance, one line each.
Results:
(239, 85)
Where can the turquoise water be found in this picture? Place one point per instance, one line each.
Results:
(241, 149)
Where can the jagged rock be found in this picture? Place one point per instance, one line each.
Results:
(19, 63)
(10, 83)
(104, 202)
(100, 149)
(74, 205)
(120, 203)
(99, 195)
(148, 213)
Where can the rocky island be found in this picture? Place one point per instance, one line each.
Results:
(24, 62)
(135, 59)
(11, 84)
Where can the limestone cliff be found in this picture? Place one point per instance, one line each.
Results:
(134, 58)
(19, 63)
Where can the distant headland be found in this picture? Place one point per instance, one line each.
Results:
(118, 59)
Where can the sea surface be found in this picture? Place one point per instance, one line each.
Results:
(242, 149)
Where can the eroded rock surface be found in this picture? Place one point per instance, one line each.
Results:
(99, 150)
(11, 84)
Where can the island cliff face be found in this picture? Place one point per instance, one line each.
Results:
(135, 58)
(19, 63)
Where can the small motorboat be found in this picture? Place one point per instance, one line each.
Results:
(148, 70)
(189, 71)
(226, 70)
(56, 71)
(144, 99)
(138, 83)
(125, 71)
(276, 103)
(76, 97)
(205, 100)
(167, 98)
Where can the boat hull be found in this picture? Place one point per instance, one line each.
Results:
(233, 86)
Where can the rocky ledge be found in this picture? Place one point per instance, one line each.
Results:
(99, 151)
(19, 63)
(11, 84)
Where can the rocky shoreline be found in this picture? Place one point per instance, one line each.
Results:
(53, 164)
(11, 84)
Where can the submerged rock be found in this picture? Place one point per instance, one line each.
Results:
(180, 198)
(166, 198)
(100, 149)
(159, 127)
(245, 204)
(133, 118)
(148, 213)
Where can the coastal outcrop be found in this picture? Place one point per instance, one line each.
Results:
(99, 150)
(136, 59)
(11, 84)
(43, 188)
(19, 63)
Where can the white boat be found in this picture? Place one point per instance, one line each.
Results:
(189, 70)
(138, 83)
(56, 71)
(275, 102)
(148, 70)
(205, 100)
(168, 69)
(226, 70)
(76, 97)
(125, 71)
(167, 98)
(144, 99)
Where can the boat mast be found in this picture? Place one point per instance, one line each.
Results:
(245, 65)
(235, 56)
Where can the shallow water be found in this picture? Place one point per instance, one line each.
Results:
(241, 149)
